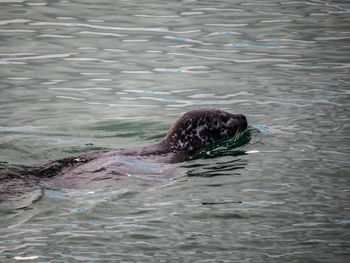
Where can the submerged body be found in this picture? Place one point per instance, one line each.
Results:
(192, 131)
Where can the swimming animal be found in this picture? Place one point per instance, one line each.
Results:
(191, 132)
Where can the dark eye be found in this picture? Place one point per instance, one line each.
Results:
(216, 123)
(224, 118)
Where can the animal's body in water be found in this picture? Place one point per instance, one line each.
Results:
(192, 131)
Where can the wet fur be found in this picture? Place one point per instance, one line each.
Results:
(192, 131)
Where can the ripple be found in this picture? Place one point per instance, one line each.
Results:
(121, 105)
(65, 18)
(217, 9)
(55, 36)
(226, 25)
(276, 21)
(213, 50)
(141, 29)
(80, 89)
(14, 21)
(192, 102)
(191, 13)
(16, 31)
(101, 34)
(301, 66)
(192, 70)
(136, 71)
(262, 129)
(158, 16)
(94, 73)
(331, 38)
(186, 31)
(232, 60)
(82, 59)
(147, 92)
(186, 40)
(70, 98)
(36, 4)
(255, 46)
(223, 33)
(53, 82)
(310, 101)
(25, 257)
(260, 4)
(101, 80)
(48, 56)
(287, 40)
(116, 50)
(19, 78)
(135, 40)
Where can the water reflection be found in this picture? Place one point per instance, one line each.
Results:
(226, 157)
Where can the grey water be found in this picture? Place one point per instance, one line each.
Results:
(79, 76)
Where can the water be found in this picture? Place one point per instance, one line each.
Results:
(78, 76)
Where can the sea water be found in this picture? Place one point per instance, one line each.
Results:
(79, 76)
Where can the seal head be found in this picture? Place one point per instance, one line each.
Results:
(199, 128)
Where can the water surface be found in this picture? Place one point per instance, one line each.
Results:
(78, 76)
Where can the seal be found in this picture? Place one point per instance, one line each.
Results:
(192, 131)
(199, 128)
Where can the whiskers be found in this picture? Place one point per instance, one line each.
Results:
(238, 134)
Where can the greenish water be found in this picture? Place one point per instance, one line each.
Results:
(78, 76)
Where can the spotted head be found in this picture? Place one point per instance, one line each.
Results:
(199, 128)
